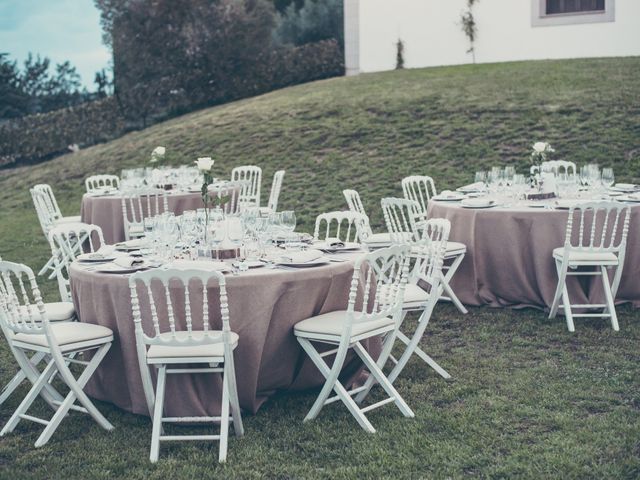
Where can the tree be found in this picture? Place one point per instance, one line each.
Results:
(13, 99)
(316, 20)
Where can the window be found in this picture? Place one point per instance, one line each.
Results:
(569, 12)
(554, 7)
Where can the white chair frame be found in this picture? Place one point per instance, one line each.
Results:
(140, 205)
(556, 166)
(276, 187)
(354, 202)
(98, 182)
(379, 280)
(174, 337)
(67, 241)
(250, 195)
(420, 189)
(31, 319)
(405, 223)
(346, 226)
(601, 238)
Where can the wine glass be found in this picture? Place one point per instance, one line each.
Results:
(607, 177)
(288, 221)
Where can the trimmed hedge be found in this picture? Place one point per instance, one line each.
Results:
(42, 136)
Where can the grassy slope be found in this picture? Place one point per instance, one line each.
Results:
(527, 398)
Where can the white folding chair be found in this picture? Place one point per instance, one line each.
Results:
(49, 216)
(374, 309)
(136, 206)
(175, 342)
(405, 223)
(252, 175)
(274, 196)
(67, 241)
(31, 332)
(373, 240)
(345, 226)
(56, 312)
(420, 189)
(556, 166)
(102, 182)
(597, 238)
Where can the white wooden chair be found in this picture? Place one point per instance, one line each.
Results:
(233, 192)
(556, 166)
(274, 196)
(102, 182)
(420, 189)
(596, 238)
(31, 332)
(252, 175)
(400, 215)
(136, 206)
(374, 309)
(49, 216)
(169, 346)
(67, 241)
(377, 240)
(346, 226)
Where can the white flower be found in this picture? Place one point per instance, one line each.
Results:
(204, 164)
(540, 147)
(157, 154)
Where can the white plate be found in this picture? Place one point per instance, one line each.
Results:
(625, 187)
(629, 199)
(113, 268)
(135, 244)
(250, 264)
(312, 263)
(348, 247)
(489, 204)
(95, 258)
(456, 198)
(536, 205)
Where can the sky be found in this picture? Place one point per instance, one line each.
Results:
(58, 29)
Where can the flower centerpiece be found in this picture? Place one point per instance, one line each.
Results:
(541, 152)
(157, 155)
(205, 166)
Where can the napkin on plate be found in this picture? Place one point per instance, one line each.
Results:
(135, 243)
(125, 261)
(477, 202)
(301, 256)
(448, 194)
(334, 243)
(472, 187)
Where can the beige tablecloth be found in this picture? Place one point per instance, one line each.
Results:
(106, 211)
(264, 306)
(509, 257)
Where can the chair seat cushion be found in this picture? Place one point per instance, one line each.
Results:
(72, 219)
(415, 294)
(67, 333)
(56, 311)
(331, 324)
(198, 351)
(455, 248)
(583, 256)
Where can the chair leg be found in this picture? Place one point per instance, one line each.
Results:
(447, 288)
(28, 400)
(332, 383)
(10, 387)
(562, 276)
(383, 381)
(157, 414)
(610, 300)
(28, 367)
(224, 418)
(388, 342)
(420, 353)
(238, 427)
(567, 308)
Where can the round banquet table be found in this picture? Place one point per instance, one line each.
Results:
(509, 258)
(106, 210)
(264, 305)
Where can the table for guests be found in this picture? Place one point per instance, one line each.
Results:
(264, 306)
(106, 210)
(509, 256)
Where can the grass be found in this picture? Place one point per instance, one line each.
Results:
(527, 398)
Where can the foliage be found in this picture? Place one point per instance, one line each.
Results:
(399, 54)
(527, 399)
(41, 136)
(470, 28)
(316, 20)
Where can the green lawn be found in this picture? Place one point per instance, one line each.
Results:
(527, 398)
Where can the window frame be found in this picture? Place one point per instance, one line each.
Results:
(539, 17)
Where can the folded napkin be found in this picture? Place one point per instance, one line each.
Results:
(448, 194)
(301, 256)
(626, 186)
(634, 196)
(106, 250)
(125, 261)
(477, 202)
(472, 187)
(334, 243)
(135, 243)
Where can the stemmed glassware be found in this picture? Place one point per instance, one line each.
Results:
(607, 177)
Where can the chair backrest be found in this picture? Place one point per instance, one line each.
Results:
(49, 199)
(67, 241)
(355, 205)
(21, 306)
(430, 252)
(181, 306)
(136, 206)
(343, 225)
(556, 167)
(43, 210)
(400, 218)
(252, 175)
(377, 286)
(598, 227)
(276, 186)
(420, 189)
(99, 182)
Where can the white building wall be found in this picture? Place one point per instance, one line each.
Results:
(432, 34)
